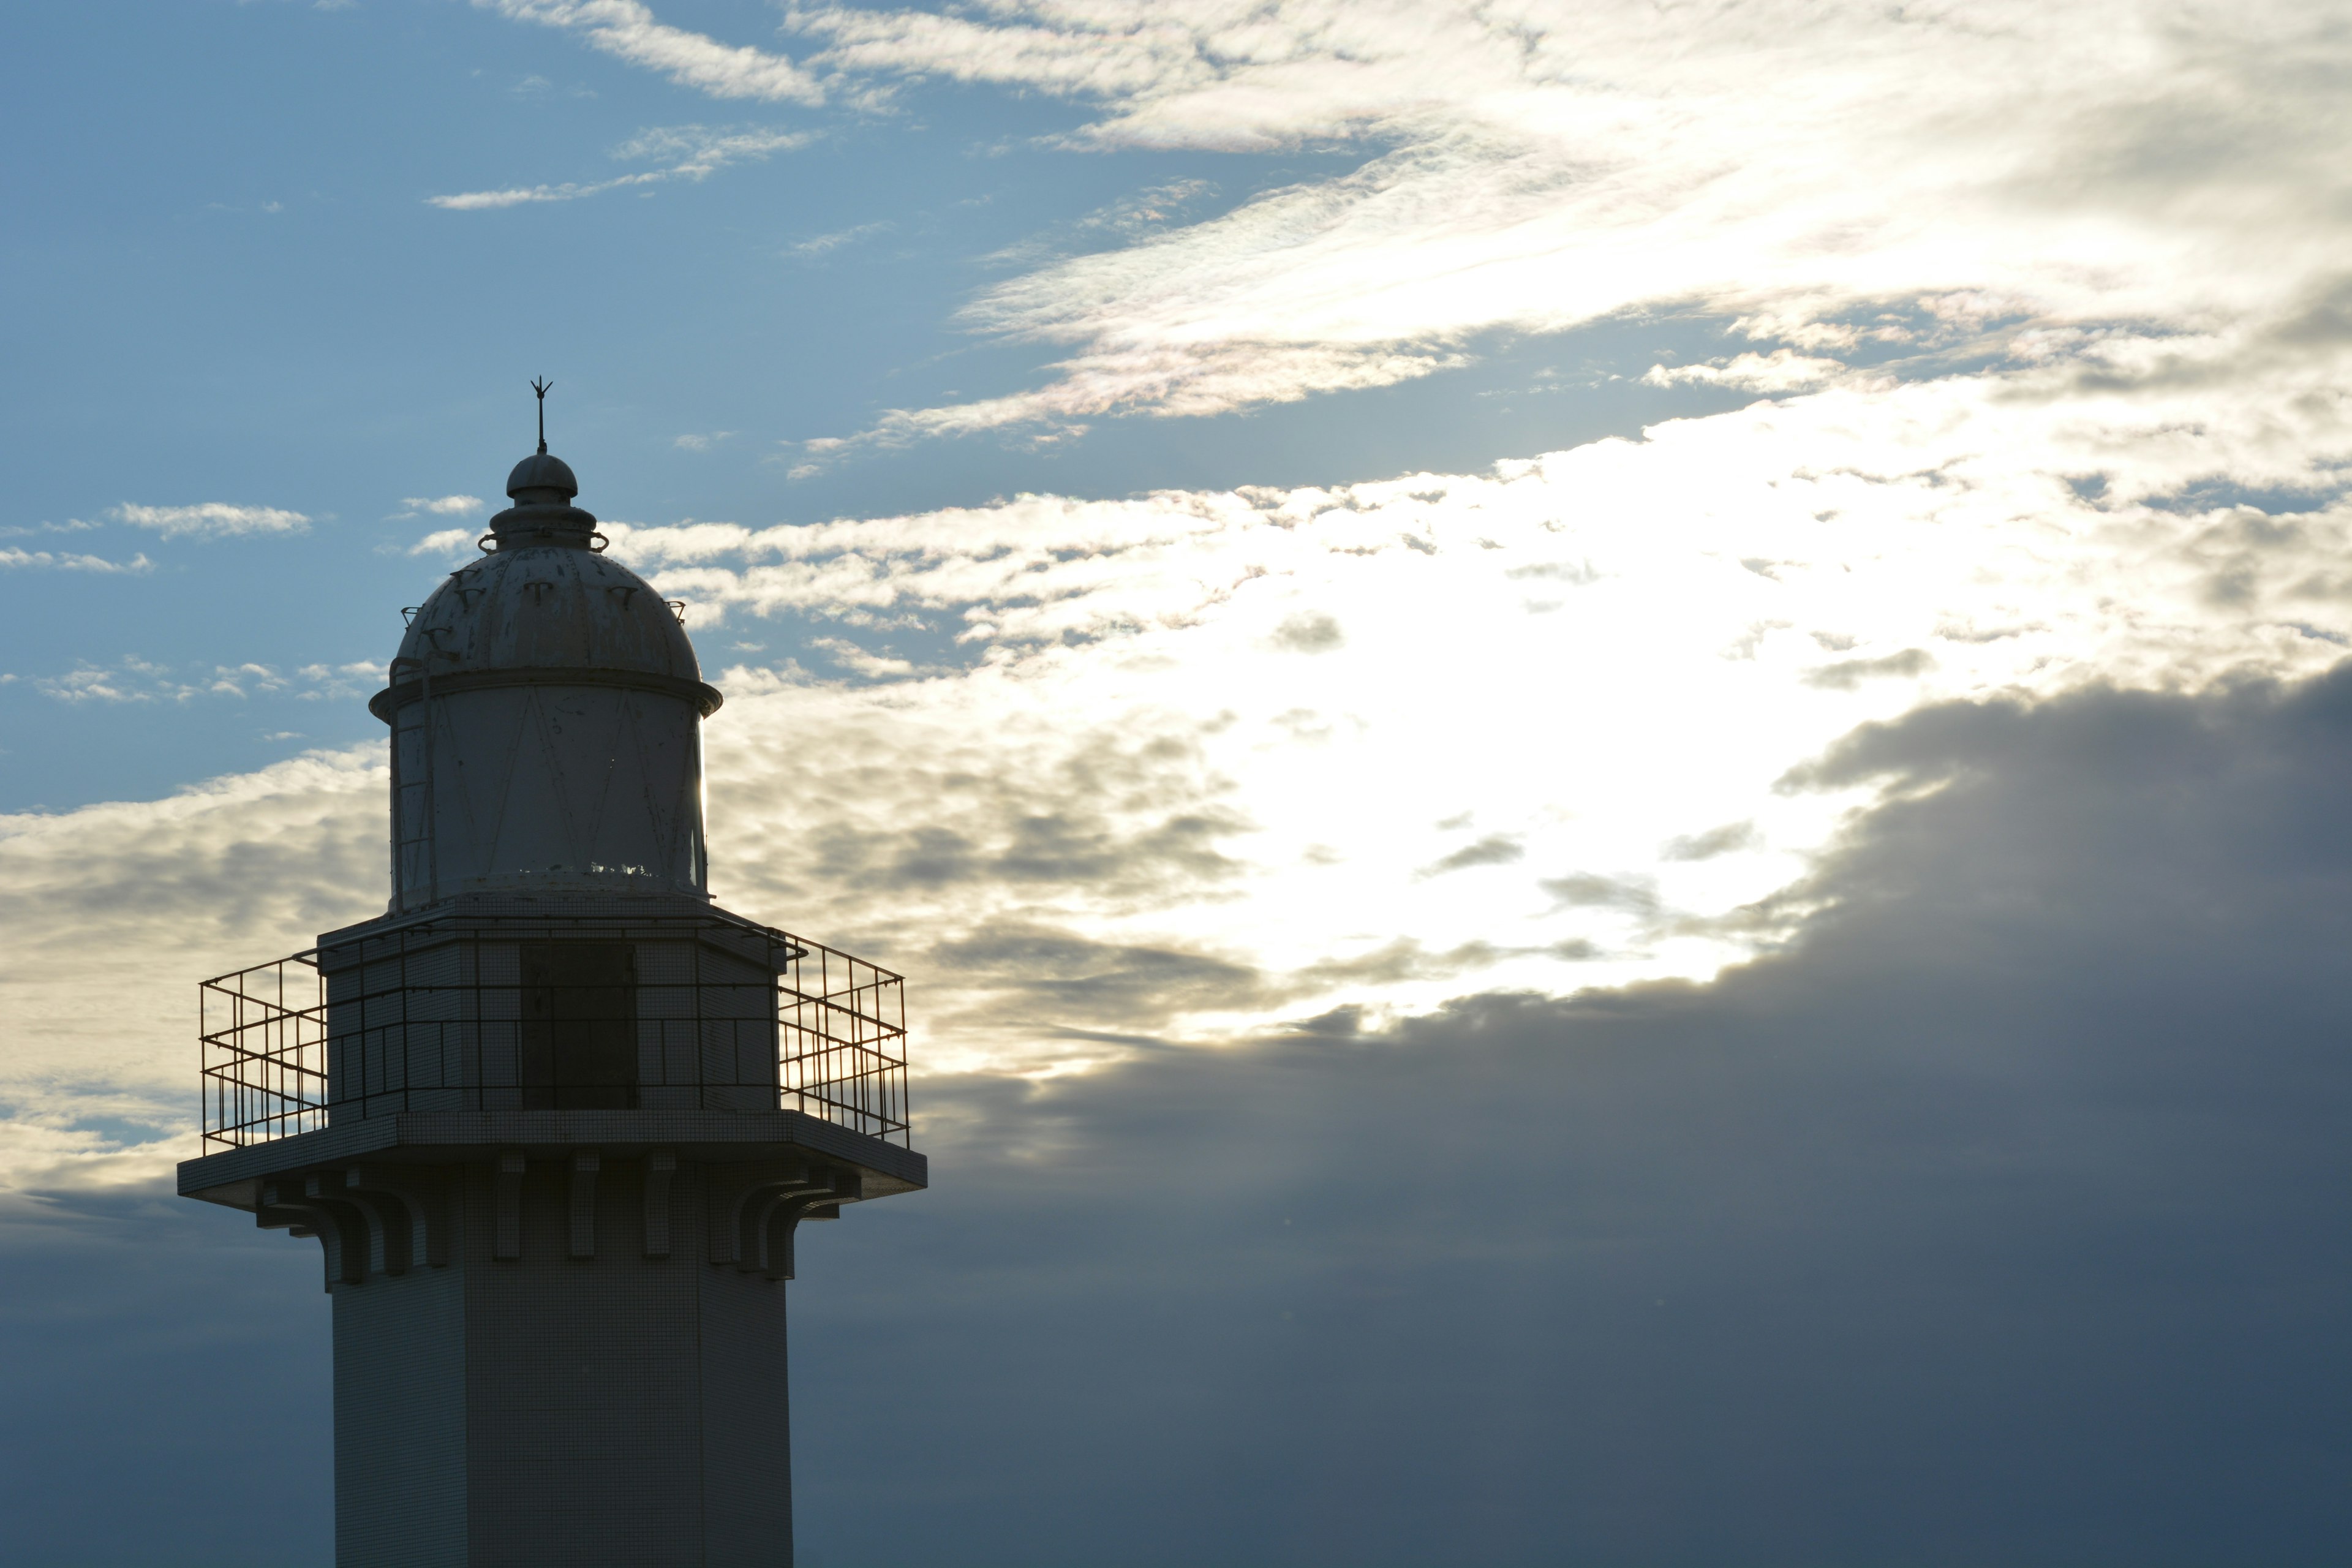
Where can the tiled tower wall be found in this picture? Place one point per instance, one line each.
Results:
(400, 1421)
(560, 1412)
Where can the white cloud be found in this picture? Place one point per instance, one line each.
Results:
(690, 153)
(1132, 218)
(1782, 369)
(336, 682)
(825, 243)
(1149, 789)
(204, 881)
(695, 151)
(1533, 166)
(701, 443)
(441, 506)
(212, 519)
(517, 195)
(11, 556)
(1717, 602)
(628, 31)
(71, 525)
(857, 660)
(444, 541)
(1101, 764)
(135, 679)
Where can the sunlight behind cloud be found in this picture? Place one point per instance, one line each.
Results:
(1601, 657)
(2054, 401)
(1192, 764)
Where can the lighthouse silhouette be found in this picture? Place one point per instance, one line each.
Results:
(555, 1118)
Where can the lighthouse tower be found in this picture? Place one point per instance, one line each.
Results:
(555, 1118)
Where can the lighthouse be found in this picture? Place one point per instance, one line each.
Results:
(554, 1119)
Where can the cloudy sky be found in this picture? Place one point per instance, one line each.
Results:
(1604, 739)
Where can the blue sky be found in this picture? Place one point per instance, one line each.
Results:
(1708, 634)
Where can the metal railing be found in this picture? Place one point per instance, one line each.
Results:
(609, 1014)
(264, 1051)
(842, 1046)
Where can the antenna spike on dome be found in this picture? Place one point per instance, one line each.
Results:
(540, 386)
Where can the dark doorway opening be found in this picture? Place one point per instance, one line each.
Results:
(579, 1025)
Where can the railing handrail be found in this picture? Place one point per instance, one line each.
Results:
(266, 1069)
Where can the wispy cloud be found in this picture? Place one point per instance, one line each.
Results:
(60, 561)
(627, 30)
(1779, 371)
(1530, 168)
(440, 506)
(132, 680)
(1728, 839)
(135, 679)
(1111, 758)
(1495, 849)
(211, 520)
(1130, 218)
(1095, 778)
(444, 541)
(29, 530)
(689, 153)
(826, 244)
(1747, 586)
(1848, 673)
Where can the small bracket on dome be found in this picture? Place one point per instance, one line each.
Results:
(540, 384)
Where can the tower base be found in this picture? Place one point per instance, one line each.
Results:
(559, 1337)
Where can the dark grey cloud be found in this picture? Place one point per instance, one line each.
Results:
(1111, 817)
(147, 1367)
(2000, 1214)
(1590, 890)
(1073, 846)
(1495, 849)
(1728, 840)
(1310, 632)
(1580, 572)
(1403, 959)
(1047, 975)
(1846, 674)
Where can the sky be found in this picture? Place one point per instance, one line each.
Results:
(1606, 741)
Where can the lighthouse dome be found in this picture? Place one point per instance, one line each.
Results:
(547, 599)
(545, 710)
(550, 607)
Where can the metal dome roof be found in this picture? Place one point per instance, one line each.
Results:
(545, 606)
(548, 608)
(540, 471)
